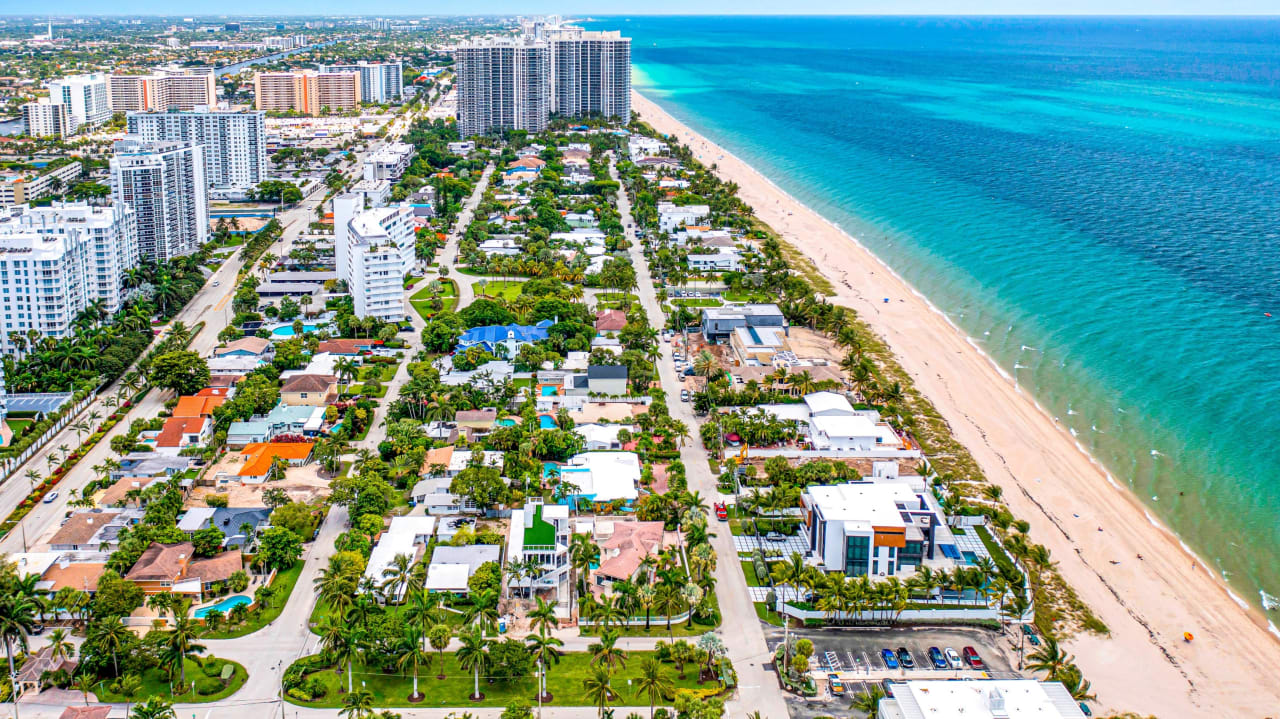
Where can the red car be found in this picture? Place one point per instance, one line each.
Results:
(972, 659)
(722, 513)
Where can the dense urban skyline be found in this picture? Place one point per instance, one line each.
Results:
(713, 7)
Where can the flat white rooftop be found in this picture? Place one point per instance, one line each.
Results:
(980, 699)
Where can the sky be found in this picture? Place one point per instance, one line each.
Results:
(658, 7)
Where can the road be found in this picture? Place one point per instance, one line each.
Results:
(757, 686)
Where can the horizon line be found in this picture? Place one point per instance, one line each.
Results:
(1208, 16)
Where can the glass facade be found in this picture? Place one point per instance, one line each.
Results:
(857, 552)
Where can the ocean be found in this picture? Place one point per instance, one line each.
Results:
(1096, 202)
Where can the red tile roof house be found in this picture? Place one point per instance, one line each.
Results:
(610, 320)
(623, 546)
(173, 568)
(182, 432)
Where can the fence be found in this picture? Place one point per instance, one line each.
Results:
(654, 620)
(883, 616)
(10, 464)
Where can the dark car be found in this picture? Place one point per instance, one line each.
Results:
(972, 659)
(905, 658)
(890, 659)
(935, 656)
(887, 686)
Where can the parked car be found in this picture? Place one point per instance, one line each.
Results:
(953, 659)
(837, 686)
(722, 512)
(48, 498)
(972, 659)
(905, 658)
(1085, 710)
(935, 656)
(887, 686)
(37, 629)
(890, 659)
(684, 395)
(775, 537)
(1031, 635)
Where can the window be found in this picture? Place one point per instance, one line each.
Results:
(303, 395)
(857, 551)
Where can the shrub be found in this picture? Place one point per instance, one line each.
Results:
(315, 687)
(212, 667)
(208, 685)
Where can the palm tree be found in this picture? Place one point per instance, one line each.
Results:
(153, 708)
(608, 612)
(439, 636)
(397, 576)
(413, 656)
(338, 643)
(129, 686)
(181, 640)
(544, 649)
(606, 651)
(1050, 658)
(654, 681)
(596, 686)
(868, 702)
(472, 655)
(791, 572)
(543, 619)
(357, 704)
(59, 647)
(17, 618)
(1075, 683)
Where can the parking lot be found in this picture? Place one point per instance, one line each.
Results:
(855, 656)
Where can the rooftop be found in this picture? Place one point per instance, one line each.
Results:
(541, 532)
(258, 455)
(981, 699)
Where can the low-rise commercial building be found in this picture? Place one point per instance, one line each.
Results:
(979, 699)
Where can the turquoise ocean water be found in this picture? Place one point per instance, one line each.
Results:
(1096, 202)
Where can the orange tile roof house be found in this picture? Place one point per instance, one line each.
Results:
(179, 433)
(624, 545)
(198, 406)
(173, 568)
(245, 347)
(259, 455)
(610, 320)
(315, 390)
(345, 346)
(118, 493)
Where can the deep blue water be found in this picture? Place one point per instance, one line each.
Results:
(1096, 201)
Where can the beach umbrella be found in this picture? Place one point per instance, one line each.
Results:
(1187, 636)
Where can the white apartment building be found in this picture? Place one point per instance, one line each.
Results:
(162, 90)
(46, 119)
(20, 188)
(374, 250)
(379, 81)
(234, 143)
(388, 162)
(502, 84)
(56, 260)
(590, 73)
(163, 181)
(85, 97)
(672, 216)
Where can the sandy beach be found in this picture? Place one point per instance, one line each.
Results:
(1076, 510)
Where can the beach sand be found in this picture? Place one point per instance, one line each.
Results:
(1232, 669)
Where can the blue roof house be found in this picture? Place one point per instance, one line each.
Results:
(512, 337)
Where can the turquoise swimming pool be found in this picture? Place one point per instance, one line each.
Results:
(546, 421)
(505, 422)
(287, 330)
(549, 391)
(225, 605)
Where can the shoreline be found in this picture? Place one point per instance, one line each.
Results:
(1144, 665)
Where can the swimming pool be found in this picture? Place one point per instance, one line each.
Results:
(287, 330)
(225, 605)
(546, 421)
(549, 390)
(505, 422)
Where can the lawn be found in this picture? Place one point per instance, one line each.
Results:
(616, 297)
(766, 615)
(564, 681)
(506, 290)
(156, 684)
(283, 584)
(749, 571)
(744, 296)
(696, 302)
(17, 426)
(421, 300)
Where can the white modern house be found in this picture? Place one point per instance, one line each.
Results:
(541, 531)
(406, 535)
(374, 250)
(672, 216)
(726, 260)
(834, 428)
(56, 260)
(603, 477)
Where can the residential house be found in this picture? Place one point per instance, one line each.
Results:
(602, 477)
(197, 406)
(607, 379)
(347, 347)
(121, 492)
(719, 322)
(433, 495)
(93, 529)
(832, 427)
(150, 464)
(610, 321)
(231, 521)
(726, 260)
(761, 345)
(452, 567)
(623, 547)
(256, 347)
(672, 217)
(313, 390)
(174, 568)
(28, 678)
(509, 337)
(476, 420)
(504, 247)
(596, 437)
(407, 536)
(541, 532)
(77, 570)
(282, 420)
(259, 456)
(179, 433)
(455, 460)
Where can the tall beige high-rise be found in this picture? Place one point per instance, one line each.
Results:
(160, 91)
(307, 91)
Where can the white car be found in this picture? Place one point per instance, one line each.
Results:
(953, 658)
